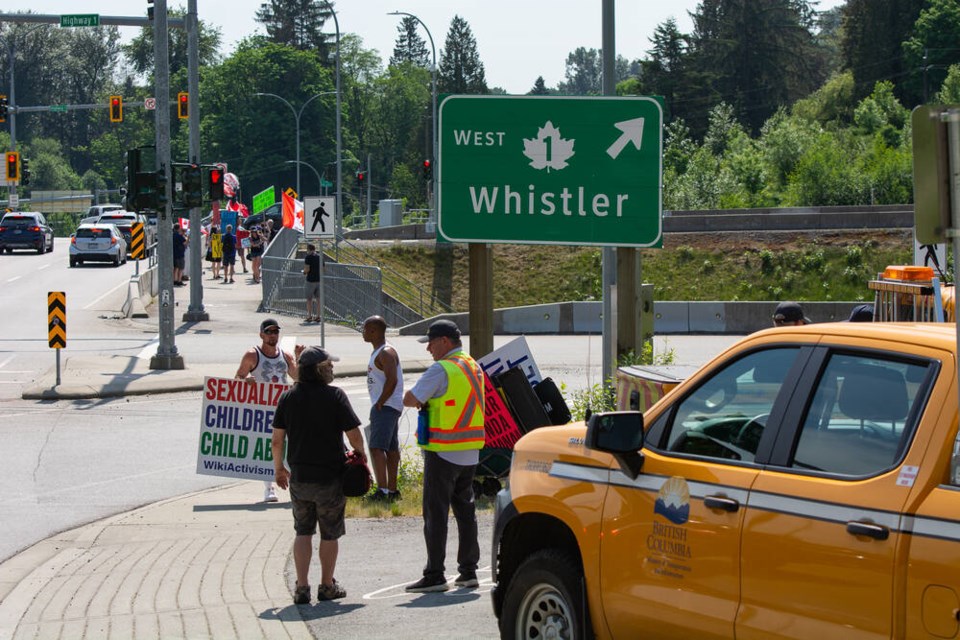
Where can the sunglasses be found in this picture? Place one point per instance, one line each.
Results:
(271, 331)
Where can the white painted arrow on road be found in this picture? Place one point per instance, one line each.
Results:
(632, 132)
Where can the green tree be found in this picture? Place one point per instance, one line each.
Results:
(933, 45)
(584, 72)
(256, 135)
(139, 51)
(832, 104)
(539, 88)
(950, 89)
(873, 33)
(461, 70)
(297, 23)
(410, 47)
(756, 55)
(663, 70)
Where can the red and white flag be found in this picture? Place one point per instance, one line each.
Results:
(292, 213)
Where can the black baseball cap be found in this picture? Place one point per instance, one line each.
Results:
(441, 329)
(861, 313)
(269, 322)
(314, 355)
(790, 312)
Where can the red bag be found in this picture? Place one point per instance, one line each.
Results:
(356, 476)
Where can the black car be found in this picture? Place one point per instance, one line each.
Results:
(25, 230)
(273, 212)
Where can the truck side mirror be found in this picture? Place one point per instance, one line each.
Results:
(621, 434)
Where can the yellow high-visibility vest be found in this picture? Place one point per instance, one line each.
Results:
(455, 419)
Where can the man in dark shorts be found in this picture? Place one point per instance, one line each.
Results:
(313, 416)
(229, 254)
(311, 287)
(385, 386)
(179, 255)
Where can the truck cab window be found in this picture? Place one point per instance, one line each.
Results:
(725, 417)
(858, 419)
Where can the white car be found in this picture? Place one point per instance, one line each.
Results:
(97, 243)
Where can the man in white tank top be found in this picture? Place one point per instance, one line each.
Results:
(385, 384)
(268, 363)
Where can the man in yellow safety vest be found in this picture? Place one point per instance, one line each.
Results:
(449, 396)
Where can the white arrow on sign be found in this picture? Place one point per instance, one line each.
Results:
(632, 132)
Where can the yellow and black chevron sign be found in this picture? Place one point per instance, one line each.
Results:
(138, 247)
(57, 319)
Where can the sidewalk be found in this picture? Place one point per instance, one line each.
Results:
(204, 565)
(234, 322)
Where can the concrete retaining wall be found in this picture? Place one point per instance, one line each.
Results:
(564, 318)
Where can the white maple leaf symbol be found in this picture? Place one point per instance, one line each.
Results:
(548, 150)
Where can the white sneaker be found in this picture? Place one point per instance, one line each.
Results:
(270, 495)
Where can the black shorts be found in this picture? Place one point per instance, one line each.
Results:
(318, 504)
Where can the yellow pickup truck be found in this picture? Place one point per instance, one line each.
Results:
(803, 484)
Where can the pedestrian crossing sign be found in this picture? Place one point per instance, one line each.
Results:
(319, 217)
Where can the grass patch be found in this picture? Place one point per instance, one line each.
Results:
(410, 485)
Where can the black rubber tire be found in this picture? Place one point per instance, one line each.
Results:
(116, 261)
(543, 600)
(73, 262)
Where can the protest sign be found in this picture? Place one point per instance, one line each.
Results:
(501, 430)
(515, 353)
(236, 427)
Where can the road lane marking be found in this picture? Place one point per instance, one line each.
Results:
(14, 278)
(6, 362)
(150, 349)
(399, 590)
(122, 284)
(45, 266)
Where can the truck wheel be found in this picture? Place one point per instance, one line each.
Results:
(543, 600)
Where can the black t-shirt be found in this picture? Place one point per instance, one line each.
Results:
(229, 244)
(313, 261)
(315, 416)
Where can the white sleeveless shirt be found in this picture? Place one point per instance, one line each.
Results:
(376, 379)
(270, 369)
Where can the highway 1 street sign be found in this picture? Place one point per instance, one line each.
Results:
(318, 217)
(550, 170)
(80, 20)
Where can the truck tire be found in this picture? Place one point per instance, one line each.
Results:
(543, 600)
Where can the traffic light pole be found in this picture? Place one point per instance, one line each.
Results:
(196, 312)
(167, 356)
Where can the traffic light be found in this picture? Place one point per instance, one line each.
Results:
(183, 105)
(160, 192)
(13, 166)
(116, 108)
(216, 184)
(24, 172)
(4, 108)
(131, 201)
(427, 170)
(192, 188)
(361, 176)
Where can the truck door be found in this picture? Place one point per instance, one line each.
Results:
(670, 543)
(822, 526)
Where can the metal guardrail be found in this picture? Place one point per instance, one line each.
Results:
(424, 303)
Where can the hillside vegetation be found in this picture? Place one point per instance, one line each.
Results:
(732, 266)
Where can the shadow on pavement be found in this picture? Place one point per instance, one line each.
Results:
(456, 597)
(253, 506)
(314, 611)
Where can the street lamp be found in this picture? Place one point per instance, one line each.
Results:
(315, 172)
(296, 115)
(433, 194)
(336, 25)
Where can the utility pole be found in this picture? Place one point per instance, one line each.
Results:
(196, 312)
(167, 356)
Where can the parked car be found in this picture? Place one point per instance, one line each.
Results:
(25, 230)
(273, 212)
(124, 221)
(97, 243)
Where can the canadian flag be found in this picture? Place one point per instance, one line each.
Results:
(292, 213)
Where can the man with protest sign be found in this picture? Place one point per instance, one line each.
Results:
(312, 417)
(269, 363)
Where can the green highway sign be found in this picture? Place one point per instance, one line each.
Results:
(550, 170)
(58, 108)
(80, 20)
(263, 200)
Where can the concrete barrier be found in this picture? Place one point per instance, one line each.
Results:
(141, 291)
(706, 317)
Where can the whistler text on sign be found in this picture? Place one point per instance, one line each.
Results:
(550, 170)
